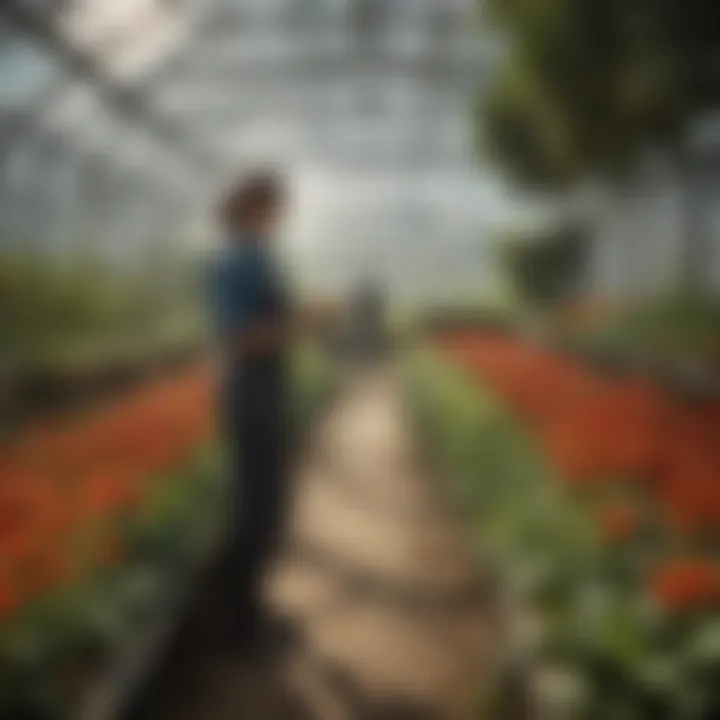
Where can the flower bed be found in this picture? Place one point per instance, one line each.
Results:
(99, 516)
(600, 499)
(103, 518)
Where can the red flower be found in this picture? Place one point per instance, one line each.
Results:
(619, 524)
(57, 482)
(685, 585)
(9, 601)
(109, 492)
(596, 429)
(113, 552)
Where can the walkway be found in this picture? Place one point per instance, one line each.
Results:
(394, 623)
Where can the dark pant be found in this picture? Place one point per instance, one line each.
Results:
(257, 438)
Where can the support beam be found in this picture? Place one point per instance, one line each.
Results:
(128, 101)
(25, 122)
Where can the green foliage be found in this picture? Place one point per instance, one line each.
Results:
(547, 267)
(597, 648)
(587, 83)
(73, 630)
(688, 323)
(57, 315)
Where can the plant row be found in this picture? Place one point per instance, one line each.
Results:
(599, 499)
(105, 516)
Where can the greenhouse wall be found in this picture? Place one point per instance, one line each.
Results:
(641, 229)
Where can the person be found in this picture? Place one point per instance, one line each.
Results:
(369, 319)
(256, 328)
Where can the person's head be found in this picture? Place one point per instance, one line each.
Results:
(254, 204)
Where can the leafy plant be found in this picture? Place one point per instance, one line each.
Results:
(616, 614)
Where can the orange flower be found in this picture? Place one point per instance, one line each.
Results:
(598, 429)
(106, 492)
(9, 600)
(619, 524)
(685, 585)
(113, 552)
(59, 481)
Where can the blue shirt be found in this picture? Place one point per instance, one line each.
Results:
(247, 290)
(242, 288)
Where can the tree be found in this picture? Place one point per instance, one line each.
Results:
(589, 82)
(545, 267)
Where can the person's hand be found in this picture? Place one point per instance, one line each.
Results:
(323, 316)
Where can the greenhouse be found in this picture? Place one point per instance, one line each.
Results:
(503, 474)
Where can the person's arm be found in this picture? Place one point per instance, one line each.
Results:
(250, 329)
(241, 308)
(262, 337)
(266, 336)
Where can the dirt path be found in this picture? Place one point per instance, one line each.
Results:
(379, 580)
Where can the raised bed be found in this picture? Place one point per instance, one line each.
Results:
(108, 519)
(34, 391)
(601, 525)
(689, 373)
(101, 517)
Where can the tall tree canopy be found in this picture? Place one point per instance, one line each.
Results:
(587, 83)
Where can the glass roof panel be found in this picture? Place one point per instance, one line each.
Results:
(25, 71)
(176, 96)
